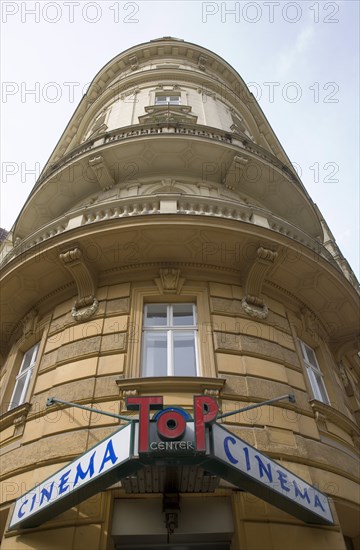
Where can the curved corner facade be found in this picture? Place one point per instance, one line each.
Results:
(170, 249)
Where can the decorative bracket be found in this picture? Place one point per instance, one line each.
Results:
(134, 63)
(202, 62)
(312, 325)
(234, 172)
(170, 281)
(86, 303)
(349, 390)
(29, 322)
(252, 302)
(102, 172)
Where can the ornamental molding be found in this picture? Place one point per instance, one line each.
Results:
(176, 114)
(312, 325)
(170, 281)
(193, 385)
(86, 303)
(324, 413)
(234, 172)
(150, 265)
(134, 62)
(102, 173)
(252, 303)
(202, 62)
(29, 323)
(349, 390)
(15, 417)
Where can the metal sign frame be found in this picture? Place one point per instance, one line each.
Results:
(218, 450)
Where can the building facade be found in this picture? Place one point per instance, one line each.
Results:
(170, 249)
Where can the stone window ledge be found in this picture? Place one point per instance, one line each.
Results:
(155, 385)
(325, 412)
(15, 416)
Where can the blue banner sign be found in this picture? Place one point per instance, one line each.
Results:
(171, 437)
(246, 467)
(85, 476)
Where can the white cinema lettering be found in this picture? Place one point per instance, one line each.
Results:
(63, 485)
(106, 455)
(172, 445)
(247, 460)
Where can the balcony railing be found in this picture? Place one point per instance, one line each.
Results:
(168, 203)
(168, 128)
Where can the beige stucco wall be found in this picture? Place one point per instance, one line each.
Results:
(259, 360)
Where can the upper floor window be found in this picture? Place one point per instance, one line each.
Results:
(314, 373)
(23, 378)
(169, 345)
(163, 99)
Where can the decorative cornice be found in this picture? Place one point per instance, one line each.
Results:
(188, 384)
(86, 303)
(148, 265)
(179, 114)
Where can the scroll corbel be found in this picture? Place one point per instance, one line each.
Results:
(101, 172)
(86, 304)
(232, 178)
(252, 302)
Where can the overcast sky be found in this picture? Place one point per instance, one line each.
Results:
(300, 60)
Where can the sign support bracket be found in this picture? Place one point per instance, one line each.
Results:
(290, 397)
(51, 400)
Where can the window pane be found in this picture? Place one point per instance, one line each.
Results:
(16, 398)
(155, 354)
(321, 389)
(156, 315)
(317, 385)
(164, 99)
(29, 358)
(310, 356)
(313, 382)
(183, 315)
(184, 354)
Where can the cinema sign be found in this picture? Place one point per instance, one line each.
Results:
(175, 437)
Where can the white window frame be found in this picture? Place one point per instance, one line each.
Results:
(24, 374)
(170, 329)
(315, 376)
(168, 96)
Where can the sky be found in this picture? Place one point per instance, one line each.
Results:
(299, 59)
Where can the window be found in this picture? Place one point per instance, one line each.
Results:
(163, 99)
(23, 378)
(169, 340)
(314, 373)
